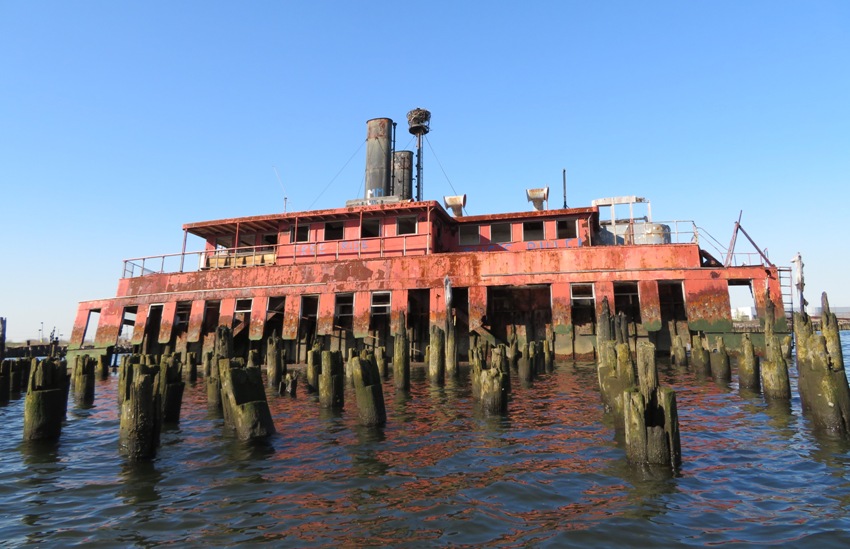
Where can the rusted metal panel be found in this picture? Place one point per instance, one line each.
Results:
(291, 314)
(362, 312)
(707, 304)
(650, 305)
(561, 307)
(196, 321)
(226, 310)
(139, 328)
(109, 326)
(325, 320)
(169, 309)
(477, 307)
(258, 317)
(79, 330)
(398, 305)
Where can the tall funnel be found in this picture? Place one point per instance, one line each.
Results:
(403, 174)
(378, 157)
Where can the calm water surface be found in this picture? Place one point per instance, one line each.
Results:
(552, 473)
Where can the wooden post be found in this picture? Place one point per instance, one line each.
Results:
(616, 375)
(678, 353)
(437, 359)
(451, 348)
(332, 381)
(243, 395)
(381, 361)
(172, 387)
(749, 373)
(208, 361)
(525, 363)
(368, 391)
(401, 358)
(289, 384)
(512, 352)
(720, 366)
(651, 418)
(314, 368)
(603, 324)
(46, 401)
(191, 373)
(491, 385)
(103, 366)
(16, 377)
(700, 360)
(5, 381)
(274, 369)
(84, 376)
(822, 383)
(141, 411)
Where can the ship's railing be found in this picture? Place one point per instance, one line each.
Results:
(738, 259)
(639, 231)
(280, 254)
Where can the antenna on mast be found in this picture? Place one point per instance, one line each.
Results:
(281, 187)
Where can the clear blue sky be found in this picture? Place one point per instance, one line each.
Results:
(121, 121)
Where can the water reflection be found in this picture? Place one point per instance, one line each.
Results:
(139, 482)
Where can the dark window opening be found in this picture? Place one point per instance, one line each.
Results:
(334, 230)
(299, 234)
(532, 230)
(406, 225)
(468, 235)
(627, 301)
(583, 302)
(500, 232)
(567, 228)
(243, 306)
(371, 228)
(381, 303)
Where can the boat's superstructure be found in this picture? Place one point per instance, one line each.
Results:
(346, 277)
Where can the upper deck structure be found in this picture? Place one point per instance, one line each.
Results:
(348, 277)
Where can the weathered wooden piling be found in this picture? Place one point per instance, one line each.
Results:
(274, 366)
(776, 386)
(103, 362)
(437, 359)
(223, 349)
(512, 352)
(84, 377)
(141, 411)
(548, 355)
(332, 381)
(749, 371)
(314, 368)
(2, 338)
(451, 350)
(604, 331)
(525, 363)
(243, 395)
(289, 384)
(368, 391)
(5, 381)
(651, 417)
(401, 358)
(381, 361)
(823, 387)
(721, 369)
(207, 366)
(491, 385)
(678, 351)
(16, 377)
(46, 401)
(172, 387)
(616, 373)
(190, 368)
(700, 357)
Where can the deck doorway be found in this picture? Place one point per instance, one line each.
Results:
(150, 343)
(241, 327)
(523, 310)
(674, 319)
(418, 313)
(343, 331)
(307, 326)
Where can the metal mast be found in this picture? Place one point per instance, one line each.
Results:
(419, 121)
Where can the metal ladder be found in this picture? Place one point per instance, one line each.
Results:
(787, 289)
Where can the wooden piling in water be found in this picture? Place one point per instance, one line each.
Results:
(381, 362)
(223, 348)
(314, 368)
(5, 381)
(721, 369)
(274, 367)
(84, 377)
(190, 369)
(749, 371)
(776, 386)
(512, 352)
(243, 395)
(451, 349)
(491, 384)
(368, 391)
(332, 381)
(651, 417)
(700, 357)
(103, 366)
(46, 401)
(141, 411)
(616, 373)
(172, 387)
(678, 351)
(525, 363)
(437, 358)
(823, 387)
(289, 385)
(16, 377)
(401, 358)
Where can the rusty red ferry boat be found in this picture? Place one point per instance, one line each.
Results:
(342, 277)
